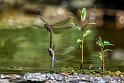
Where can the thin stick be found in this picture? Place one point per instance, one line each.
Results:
(52, 54)
(51, 51)
(51, 38)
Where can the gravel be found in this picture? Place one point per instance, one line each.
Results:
(58, 78)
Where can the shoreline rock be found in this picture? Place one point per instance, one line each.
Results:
(58, 78)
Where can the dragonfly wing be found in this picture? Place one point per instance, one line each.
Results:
(61, 29)
(38, 26)
(62, 25)
(65, 54)
(63, 22)
(39, 22)
(64, 58)
(69, 50)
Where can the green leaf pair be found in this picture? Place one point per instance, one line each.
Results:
(102, 43)
(84, 35)
(83, 13)
(99, 42)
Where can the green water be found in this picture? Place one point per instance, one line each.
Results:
(26, 50)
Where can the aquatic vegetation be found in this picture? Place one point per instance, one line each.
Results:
(97, 72)
(69, 70)
(102, 44)
(84, 23)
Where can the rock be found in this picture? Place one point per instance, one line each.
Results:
(58, 78)
(4, 81)
(35, 77)
(20, 81)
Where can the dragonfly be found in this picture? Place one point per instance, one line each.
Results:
(56, 28)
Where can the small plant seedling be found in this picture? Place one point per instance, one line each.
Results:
(102, 44)
(84, 23)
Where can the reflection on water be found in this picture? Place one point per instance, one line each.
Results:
(26, 50)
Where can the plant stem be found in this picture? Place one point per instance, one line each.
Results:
(82, 50)
(103, 62)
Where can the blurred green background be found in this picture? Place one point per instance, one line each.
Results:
(24, 47)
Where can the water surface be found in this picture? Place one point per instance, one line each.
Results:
(26, 50)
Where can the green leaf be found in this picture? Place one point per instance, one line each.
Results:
(79, 40)
(106, 50)
(80, 46)
(76, 26)
(87, 33)
(100, 55)
(100, 39)
(99, 42)
(107, 43)
(83, 14)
